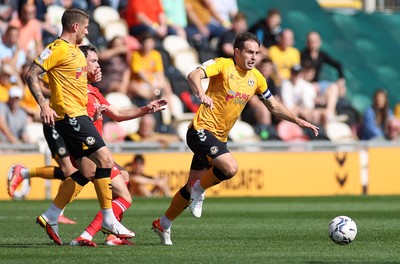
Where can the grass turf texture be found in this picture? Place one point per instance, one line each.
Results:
(231, 230)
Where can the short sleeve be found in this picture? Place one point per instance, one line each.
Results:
(212, 67)
(159, 63)
(136, 61)
(51, 56)
(262, 88)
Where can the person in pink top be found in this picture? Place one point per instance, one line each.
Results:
(30, 30)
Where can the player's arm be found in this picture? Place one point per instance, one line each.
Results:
(194, 79)
(132, 113)
(32, 79)
(4, 128)
(279, 110)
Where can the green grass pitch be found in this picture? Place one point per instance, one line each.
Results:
(231, 230)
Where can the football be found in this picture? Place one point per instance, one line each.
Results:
(342, 230)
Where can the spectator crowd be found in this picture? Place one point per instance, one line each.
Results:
(139, 66)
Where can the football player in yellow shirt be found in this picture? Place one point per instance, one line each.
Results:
(66, 67)
(232, 83)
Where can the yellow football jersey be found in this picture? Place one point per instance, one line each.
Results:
(230, 88)
(66, 69)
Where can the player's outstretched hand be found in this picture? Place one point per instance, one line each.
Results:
(306, 124)
(156, 105)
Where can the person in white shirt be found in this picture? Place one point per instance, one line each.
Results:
(298, 95)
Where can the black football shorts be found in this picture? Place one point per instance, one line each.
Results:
(55, 142)
(80, 136)
(205, 147)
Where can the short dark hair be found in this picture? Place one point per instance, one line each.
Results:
(266, 60)
(138, 158)
(273, 11)
(145, 36)
(242, 38)
(239, 16)
(72, 16)
(86, 48)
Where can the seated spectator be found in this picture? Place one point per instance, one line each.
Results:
(204, 22)
(176, 16)
(30, 30)
(115, 67)
(284, 55)
(148, 79)
(225, 44)
(7, 8)
(255, 111)
(330, 91)
(28, 102)
(141, 184)
(13, 119)
(227, 10)
(9, 77)
(379, 123)
(147, 18)
(5, 83)
(268, 30)
(147, 133)
(298, 95)
(9, 50)
(327, 98)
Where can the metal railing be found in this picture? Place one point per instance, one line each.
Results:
(264, 146)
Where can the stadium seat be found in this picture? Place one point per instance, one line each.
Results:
(119, 100)
(290, 132)
(339, 132)
(182, 128)
(35, 132)
(115, 28)
(174, 44)
(55, 13)
(104, 15)
(243, 132)
(130, 126)
(186, 60)
(113, 132)
(177, 112)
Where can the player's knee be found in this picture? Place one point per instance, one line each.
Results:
(108, 162)
(230, 170)
(223, 175)
(126, 196)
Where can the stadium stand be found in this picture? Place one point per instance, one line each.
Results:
(356, 40)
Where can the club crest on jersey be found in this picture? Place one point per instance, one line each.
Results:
(214, 150)
(250, 82)
(90, 141)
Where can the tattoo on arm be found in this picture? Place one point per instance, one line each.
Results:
(32, 79)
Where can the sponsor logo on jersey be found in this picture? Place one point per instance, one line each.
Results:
(45, 54)
(237, 97)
